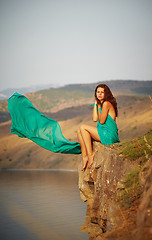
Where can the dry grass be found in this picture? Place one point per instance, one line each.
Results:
(17, 152)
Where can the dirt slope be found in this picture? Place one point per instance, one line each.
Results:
(135, 118)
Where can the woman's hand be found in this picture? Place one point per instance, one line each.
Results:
(96, 101)
(98, 104)
(95, 111)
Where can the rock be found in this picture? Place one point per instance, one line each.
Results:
(98, 188)
(144, 213)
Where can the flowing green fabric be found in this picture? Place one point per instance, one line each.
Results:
(28, 122)
(108, 132)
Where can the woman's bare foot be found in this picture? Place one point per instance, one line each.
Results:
(84, 161)
(91, 160)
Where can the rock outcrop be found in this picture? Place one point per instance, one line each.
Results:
(99, 187)
(144, 213)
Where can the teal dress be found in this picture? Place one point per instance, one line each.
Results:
(28, 122)
(108, 132)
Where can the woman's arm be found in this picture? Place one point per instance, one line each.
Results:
(105, 109)
(95, 112)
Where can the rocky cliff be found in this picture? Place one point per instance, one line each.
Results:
(102, 188)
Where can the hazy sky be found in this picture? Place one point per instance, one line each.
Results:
(74, 41)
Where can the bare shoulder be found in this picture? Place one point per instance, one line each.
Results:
(107, 104)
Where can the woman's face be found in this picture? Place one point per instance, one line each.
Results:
(100, 93)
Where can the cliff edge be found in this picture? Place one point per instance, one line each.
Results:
(104, 189)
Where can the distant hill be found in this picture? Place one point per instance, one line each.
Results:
(127, 86)
(5, 94)
(134, 119)
(71, 106)
(74, 95)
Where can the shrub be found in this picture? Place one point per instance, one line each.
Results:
(131, 190)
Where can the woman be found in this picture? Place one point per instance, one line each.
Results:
(29, 123)
(104, 113)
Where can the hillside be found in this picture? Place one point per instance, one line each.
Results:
(135, 118)
(55, 99)
(6, 93)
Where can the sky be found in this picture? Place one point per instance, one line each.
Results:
(74, 41)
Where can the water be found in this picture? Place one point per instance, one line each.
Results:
(41, 205)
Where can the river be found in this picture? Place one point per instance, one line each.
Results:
(41, 205)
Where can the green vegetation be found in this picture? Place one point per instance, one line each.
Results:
(138, 151)
(49, 98)
(46, 99)
(131, 191)
(143, 90)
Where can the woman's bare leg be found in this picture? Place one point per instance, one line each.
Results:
(83, 150)
(88, 132)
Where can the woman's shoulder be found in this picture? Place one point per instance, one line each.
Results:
(106, 104)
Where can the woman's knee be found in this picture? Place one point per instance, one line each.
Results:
(78, 131)
(83, 127)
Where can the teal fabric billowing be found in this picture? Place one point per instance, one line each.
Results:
(29, 123)
(108, 131)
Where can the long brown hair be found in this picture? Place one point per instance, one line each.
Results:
(107, 97)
